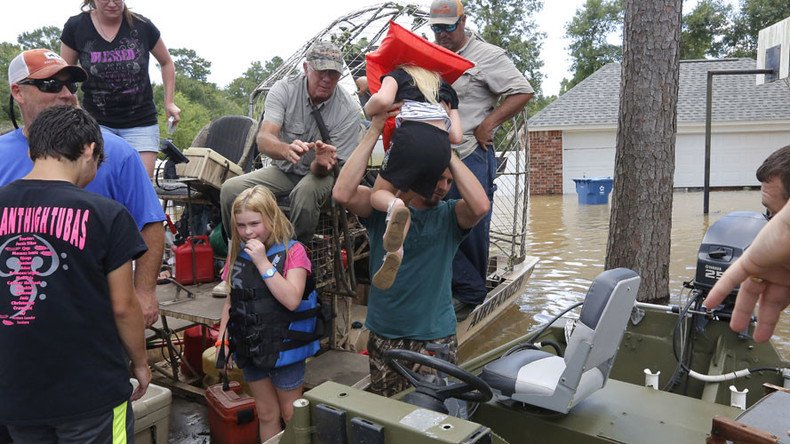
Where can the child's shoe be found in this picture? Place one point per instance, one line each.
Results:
(397, 221)
(384, 278)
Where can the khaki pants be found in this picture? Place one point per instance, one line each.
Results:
(307, 194)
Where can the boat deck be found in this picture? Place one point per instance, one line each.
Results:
(620, 412)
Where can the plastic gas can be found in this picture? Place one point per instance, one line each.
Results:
(194, 261)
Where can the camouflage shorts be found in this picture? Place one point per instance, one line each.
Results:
(384, 380)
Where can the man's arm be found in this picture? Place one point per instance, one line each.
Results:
(474, 204)
(269, 144)
(129, 322)
(484, 133)
(146, 270)
(347, 190)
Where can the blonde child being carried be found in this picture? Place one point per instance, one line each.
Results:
(419, 153)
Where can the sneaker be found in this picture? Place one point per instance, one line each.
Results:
(221, 290)
(396, 226)
(385, 277)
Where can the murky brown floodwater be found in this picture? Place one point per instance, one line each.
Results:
(570, 240)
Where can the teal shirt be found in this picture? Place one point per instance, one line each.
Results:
(419, 303)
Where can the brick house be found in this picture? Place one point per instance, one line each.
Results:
(575, 136)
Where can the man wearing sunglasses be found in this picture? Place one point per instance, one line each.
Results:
(489, 93)
(40, 79)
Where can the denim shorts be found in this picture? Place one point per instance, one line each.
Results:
(142, 138)
(285, 378)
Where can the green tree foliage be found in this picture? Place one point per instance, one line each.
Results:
(46, 37)
(200, 102)
(589, 30)
(191, 65)
(703, 30)
(510, 25)
(240, 88)
(7, 53)
(754, 15)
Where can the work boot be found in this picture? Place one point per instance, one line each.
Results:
(221, 290)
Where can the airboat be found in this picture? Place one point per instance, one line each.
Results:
(340, 246)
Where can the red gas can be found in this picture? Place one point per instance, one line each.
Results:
(231, 415)
(196, 340)
(194, 261)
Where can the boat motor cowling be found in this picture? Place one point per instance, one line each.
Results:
(724, 242)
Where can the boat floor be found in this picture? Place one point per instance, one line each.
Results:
(620, 412)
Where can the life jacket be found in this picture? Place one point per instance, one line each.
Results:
(262, 331)
(403, 47)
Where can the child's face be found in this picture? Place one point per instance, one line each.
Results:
(251, 225)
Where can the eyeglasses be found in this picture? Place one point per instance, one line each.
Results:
(437, 28)
(51, 86)
(331, 74)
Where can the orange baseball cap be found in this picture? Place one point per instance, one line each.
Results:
(41, 64)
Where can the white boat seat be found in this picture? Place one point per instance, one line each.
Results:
(545, 380)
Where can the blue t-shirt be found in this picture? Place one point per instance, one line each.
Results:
(419, 303)
(121, 177)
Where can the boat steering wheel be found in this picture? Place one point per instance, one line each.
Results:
(469, 388)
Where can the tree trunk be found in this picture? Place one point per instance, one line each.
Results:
(641, 221)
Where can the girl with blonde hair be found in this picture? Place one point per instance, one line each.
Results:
(419, 153)
(271, 311)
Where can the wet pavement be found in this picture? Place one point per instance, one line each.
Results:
(188, 422)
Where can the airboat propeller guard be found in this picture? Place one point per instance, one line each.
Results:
(356, 34)
(430, 394)
(542, 379)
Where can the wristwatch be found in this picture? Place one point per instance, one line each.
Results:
(269, 273)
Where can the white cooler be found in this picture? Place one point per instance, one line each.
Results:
(152, 415)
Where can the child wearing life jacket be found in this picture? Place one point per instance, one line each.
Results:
(419, 153)
(270, 313)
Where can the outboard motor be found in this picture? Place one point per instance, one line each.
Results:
(723, 243)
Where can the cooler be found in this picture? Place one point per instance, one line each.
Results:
(231, 415)
(208, 167)
(152, 415)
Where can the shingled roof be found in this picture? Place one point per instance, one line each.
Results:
(736, 98)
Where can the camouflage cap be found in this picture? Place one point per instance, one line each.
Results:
(325, 56)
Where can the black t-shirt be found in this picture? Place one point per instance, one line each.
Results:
(62, 357)
(407, 90)
(118, 90)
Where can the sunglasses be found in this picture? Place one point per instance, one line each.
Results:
(51, 86)
(445, 28)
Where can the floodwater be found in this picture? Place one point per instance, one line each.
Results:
(570, 241)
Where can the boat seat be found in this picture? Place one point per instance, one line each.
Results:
(545, 380)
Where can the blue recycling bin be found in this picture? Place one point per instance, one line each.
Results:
(593, 190)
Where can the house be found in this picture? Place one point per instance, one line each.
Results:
(575, 136)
